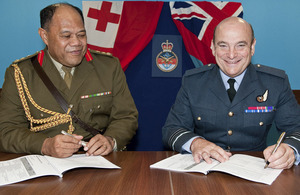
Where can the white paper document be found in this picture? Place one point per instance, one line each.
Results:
(240, 165)
(32, 166)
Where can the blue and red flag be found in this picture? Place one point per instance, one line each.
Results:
(196, 22)
(122, 28)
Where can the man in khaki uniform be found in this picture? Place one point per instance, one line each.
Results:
(98, 94)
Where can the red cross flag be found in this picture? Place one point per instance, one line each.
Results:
(122, 28)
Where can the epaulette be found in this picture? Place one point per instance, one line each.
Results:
(25, 58)
(100, 52)
(270, 70)
(199, 69)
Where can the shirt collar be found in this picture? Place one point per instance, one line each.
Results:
(238, 79)
(59, 66)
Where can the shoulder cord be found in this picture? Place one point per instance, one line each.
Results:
(52, 121)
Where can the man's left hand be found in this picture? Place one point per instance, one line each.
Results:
(283, 158)
(99, 145)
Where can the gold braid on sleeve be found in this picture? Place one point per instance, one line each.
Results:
(45, 123)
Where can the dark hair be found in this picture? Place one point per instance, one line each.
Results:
(47, 13)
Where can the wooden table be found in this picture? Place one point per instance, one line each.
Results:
(136, 177)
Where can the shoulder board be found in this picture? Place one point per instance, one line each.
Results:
(199, 69)
(270, 70)
(25, 58)
(100, 52)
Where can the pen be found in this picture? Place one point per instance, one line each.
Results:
(277, 145)
(83, 143)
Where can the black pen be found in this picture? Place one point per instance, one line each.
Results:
(277, 145)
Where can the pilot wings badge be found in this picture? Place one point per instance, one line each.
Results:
(166, 60)
(263, 98)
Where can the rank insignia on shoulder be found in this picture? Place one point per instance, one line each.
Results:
(100, 52)
(262, 98)
(25, 58)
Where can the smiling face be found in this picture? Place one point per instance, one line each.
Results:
(233, 46)
(66, 37)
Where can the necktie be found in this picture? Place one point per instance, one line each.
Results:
(68, 75)
(231, 91)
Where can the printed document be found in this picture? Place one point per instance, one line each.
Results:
(240, 165)
(32, 166)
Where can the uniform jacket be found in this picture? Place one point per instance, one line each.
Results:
(202, 108)
(115, 111)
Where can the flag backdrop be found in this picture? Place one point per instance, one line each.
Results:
(196, 22)
(122, 28)
(153, 96)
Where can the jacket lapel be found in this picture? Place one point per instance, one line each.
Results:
(81, 74)
(54, 75)
(249, 85)
(217, 87)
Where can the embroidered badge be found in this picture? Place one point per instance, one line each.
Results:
(95, 95)
(166, 60)
(262, 98)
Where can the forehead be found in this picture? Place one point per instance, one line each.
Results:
(66, 16)
(233, 30)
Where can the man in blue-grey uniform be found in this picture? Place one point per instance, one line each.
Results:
(231, 105)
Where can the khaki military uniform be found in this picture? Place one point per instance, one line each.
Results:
(99, 95)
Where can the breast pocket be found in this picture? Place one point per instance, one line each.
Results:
(204, 118)
(96, 106)
(257, 119)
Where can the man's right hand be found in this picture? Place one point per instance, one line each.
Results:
(203, 149)
(61, 146)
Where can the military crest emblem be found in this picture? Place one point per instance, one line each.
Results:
(167, 60)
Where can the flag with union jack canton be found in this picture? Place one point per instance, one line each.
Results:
(196, 22)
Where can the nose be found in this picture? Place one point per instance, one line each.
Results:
(232, 53)
(75, 41)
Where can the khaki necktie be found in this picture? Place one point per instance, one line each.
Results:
(231, 91)
(68, 75)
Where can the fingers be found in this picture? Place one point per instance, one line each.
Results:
(206, 157)
(203, 149)
(283, 158)
(60, 146)
(268, 151)
(99, 145)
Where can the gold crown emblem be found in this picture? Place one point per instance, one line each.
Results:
(166, 46)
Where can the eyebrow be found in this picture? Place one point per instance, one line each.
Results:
(245, 42)
(223, 42)
(67, 31)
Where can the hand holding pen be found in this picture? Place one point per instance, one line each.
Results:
(279, 141)
(83, 143)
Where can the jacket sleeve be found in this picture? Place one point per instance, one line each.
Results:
(15, 135)
(179, 126)
(123, 120)
(288, 117)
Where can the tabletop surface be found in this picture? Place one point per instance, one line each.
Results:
(136, 177)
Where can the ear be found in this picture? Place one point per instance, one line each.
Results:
(253, 47)
(212, 47)
(44, 35)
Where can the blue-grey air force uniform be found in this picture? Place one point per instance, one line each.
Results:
(203, 108)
